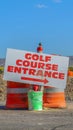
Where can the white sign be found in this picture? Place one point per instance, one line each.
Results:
(36, 68)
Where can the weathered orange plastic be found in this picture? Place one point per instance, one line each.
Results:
(17, 100)
(54, 100)
(70, 73)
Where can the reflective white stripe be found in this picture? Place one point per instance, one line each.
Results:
(53, 90)
(17, 90)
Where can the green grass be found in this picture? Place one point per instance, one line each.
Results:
(1, 69)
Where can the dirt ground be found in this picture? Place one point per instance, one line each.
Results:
(51, 119)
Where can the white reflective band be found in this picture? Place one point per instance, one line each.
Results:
(17, 90)
(53, 90)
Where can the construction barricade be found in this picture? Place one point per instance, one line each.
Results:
(70, 73)
(17, 95)
(53, 98)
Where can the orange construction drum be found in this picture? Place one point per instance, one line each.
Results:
(70, 73)
(53, 98)
(17, 97)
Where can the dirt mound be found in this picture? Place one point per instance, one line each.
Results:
(69, 89)
(3, 88)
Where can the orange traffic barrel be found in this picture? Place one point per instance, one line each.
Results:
(17, 95)
(70, 73)
(53, 98)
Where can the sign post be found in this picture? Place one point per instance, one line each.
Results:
(40, 50)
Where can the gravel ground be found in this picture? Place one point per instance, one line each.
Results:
(51, 119)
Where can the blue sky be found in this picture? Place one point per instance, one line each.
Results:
(25, 23)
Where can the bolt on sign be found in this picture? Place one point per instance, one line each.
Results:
(36, 68)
